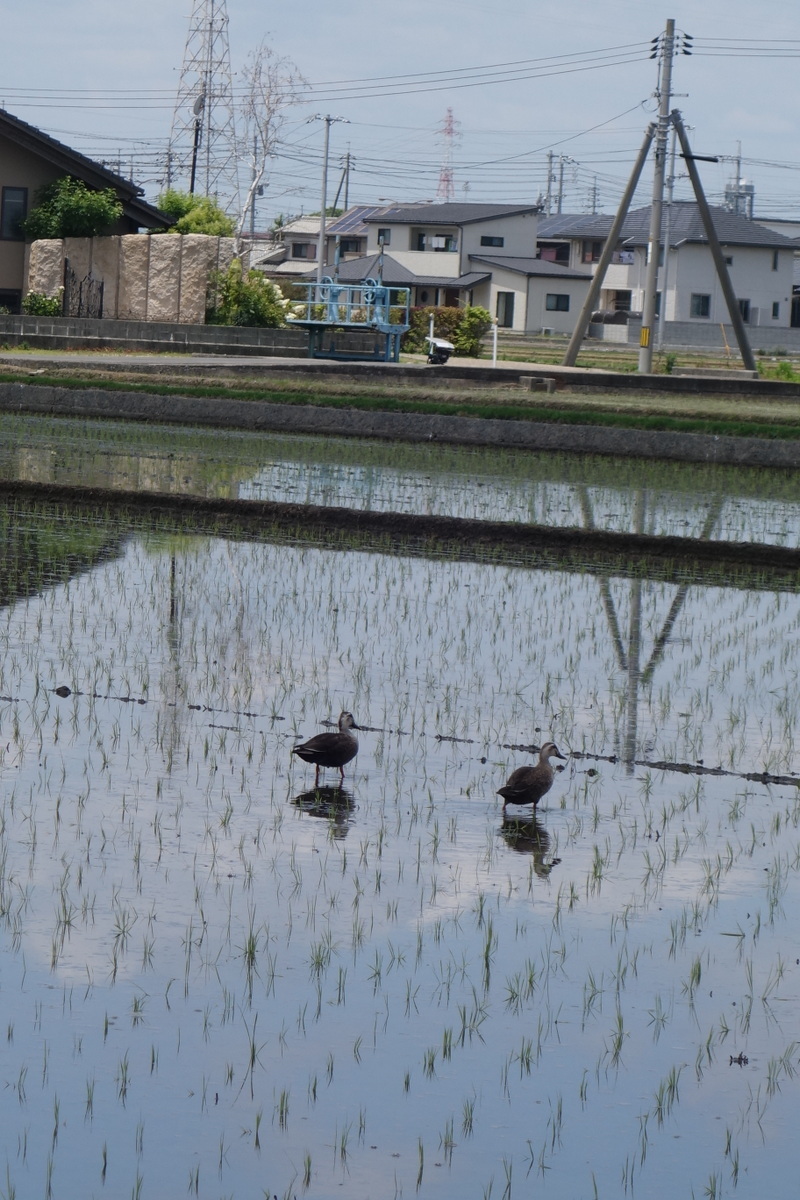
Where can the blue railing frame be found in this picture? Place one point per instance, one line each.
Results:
(366, 306)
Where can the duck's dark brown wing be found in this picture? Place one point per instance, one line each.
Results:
(327, 749)
(526, 785)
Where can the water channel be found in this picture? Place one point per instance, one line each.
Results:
(220, 981)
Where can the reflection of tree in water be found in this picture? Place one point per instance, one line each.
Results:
(43, 545)
(527, 835)
(333, 804)
(629, 657)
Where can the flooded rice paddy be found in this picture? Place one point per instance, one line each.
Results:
(219, 981)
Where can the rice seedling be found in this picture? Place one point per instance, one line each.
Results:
(181, 838)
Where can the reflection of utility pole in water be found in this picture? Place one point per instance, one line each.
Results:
(629, 658)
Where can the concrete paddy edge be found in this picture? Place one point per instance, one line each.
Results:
(262, 416)
(473, 536)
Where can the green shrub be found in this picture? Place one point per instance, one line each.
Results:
(236, 298)
(784, 370)
(68, 208)
(195, 214)
(36, 304)
(474, 325)
(464, 327)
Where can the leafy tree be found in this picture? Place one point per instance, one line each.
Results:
(239, 298)
(195, 214)
(68, 208)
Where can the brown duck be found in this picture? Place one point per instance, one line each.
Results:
(527, 785)
(330, 749)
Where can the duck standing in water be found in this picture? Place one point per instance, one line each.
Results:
(527, 785)
(330, 749)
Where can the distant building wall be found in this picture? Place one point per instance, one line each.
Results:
(145, 277)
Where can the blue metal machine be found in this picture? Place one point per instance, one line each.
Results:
(370, 306)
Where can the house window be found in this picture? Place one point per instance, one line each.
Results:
(744, 309)
(422, 239)
(700, 305)
(486, 240)
(14, 210)
(557, 302)
(384, 237)
(728, 260)
(776, 310)
(304, 250)
(349, 245)
(505, 309)
(592, 252)
(774, 260)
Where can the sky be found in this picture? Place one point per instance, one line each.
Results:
(522, 79)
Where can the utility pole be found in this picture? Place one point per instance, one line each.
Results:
(329, 120)
(714, 246)
(608, 250)
(549, 200)
(662, 313)
(667, 50)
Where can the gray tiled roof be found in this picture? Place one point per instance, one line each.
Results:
(71, 162)
(685, 226)
(447, 214)
(529, 266)
(354, 270)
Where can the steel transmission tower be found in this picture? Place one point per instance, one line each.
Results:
(447, 132)
(203, 155)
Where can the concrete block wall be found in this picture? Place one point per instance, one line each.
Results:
(705, 335)
(84, 333)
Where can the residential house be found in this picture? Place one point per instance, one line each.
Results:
(469, 254)
(759, 262)
(30, 159)
(293, 255)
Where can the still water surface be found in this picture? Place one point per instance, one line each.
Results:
(688, 500)
(216, 982)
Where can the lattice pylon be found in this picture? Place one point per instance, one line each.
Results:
(446, 191)
(203, 123)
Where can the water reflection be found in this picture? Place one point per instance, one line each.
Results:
(629, 655)
(529, 836)
(759, 506)
(333, 804)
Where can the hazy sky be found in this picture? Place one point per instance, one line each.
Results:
(522, 78)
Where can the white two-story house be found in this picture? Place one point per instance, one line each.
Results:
(759, 263)
(470, 254)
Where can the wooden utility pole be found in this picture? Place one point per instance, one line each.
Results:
(610, 246)
(734, 312)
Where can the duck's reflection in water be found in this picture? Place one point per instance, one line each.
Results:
(527, 835)
(333, 804)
